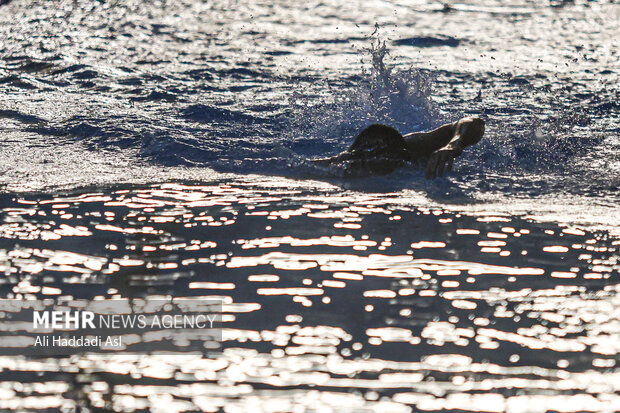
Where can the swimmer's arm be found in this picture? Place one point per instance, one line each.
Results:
(442, 145)
(331, 160)
(423, 144)
(322, 161)
(443, 158)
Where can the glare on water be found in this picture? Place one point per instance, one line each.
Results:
(420, 312)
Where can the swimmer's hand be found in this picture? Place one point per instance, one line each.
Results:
(467, 132)
(442, 159)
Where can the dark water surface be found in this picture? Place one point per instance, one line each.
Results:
(88, 88)
(158, 149)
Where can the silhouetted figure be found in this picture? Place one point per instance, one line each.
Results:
(380, 149)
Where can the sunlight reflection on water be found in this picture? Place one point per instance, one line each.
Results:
(425, 311)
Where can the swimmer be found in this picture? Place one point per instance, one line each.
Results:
(380, 149)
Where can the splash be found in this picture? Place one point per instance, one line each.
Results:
(543, 135)
(380, 94)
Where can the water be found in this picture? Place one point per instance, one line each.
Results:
(159, 149)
